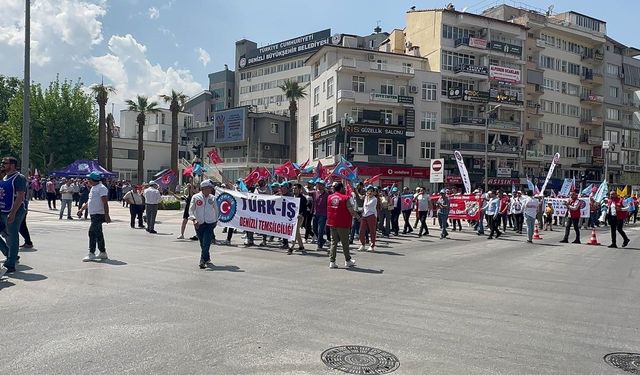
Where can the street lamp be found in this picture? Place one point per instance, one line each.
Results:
(486, 146)
(343, 122)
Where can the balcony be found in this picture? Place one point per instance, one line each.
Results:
(461, 120)
(471, 71)
(533, 134)
(591, 99)
(505, 125)
(539, 44)
(592, 121)
(401, 69)
(583, 160)
(596, 58)
(631, 105)
(471, 44)
(534, 155)
(372, 66)
(480, 147)
(374, 98)
(533, 65)
(592, 79)
(247, 160)
(534, 111)
(346, 95)
(590, 140)
(534, 89)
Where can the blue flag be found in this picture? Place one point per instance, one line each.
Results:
(587, 191)
(242, 186)
(602, 192)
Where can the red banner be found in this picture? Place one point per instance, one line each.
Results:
(463, 207)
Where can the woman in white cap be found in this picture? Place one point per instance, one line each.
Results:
(203, 211)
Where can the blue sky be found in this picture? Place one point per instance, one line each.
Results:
(151, 46)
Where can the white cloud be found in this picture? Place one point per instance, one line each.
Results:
(131, 73)
(61, 31)
(203, 56)
(154, 13)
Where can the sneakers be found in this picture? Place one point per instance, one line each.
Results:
(350, 263)
(332, 265)
(371, 248)
(612, 246)
(27, 246)
(90, 257)
(202, 264)
(194, 238)
(102, 255)
(361, 248)
(625, 243)
(564, 241)
(225, 242)
(181, 237)
(576, 241)
(3, 270)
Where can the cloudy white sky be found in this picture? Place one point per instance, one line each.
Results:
(149, 47)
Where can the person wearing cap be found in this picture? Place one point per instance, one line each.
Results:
(406, 214)
(14, 187)
(492, 214)
(517, 206)
(368, 219)
(422, 203)
(320, 196)
(339, 219)
(308, 216)
(396, 206)
(152, 197)
(443, 213)
(98, 208)
(135, 201)
(203, 211)
(66, 198)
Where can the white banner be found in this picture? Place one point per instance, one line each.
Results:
(463, 171)
(560, 208)
(272, 215)
(504, 74)
(436, 175)
(556, 159)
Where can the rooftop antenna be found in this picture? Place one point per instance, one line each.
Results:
(377, 29)
(550, 10)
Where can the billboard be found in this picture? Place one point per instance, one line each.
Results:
(229, 125)
(284, 49)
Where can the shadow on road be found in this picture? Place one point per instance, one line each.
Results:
(213, 267)
(112, 262)
(365, 270)
(386, 252)
(5, 283)
(28, 250)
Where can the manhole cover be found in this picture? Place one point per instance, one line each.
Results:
(356, 359)
(629, 362)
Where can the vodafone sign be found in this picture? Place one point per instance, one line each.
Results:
(437, 171)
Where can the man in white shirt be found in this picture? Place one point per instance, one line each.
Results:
(66, 198)
(530, 210)
(98, 207)
(152, 198)
(203, 211)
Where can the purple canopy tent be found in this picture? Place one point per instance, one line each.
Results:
(81, 168)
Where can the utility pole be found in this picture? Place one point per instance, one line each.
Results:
(26, 110)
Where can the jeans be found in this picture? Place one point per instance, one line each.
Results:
(135, 210)
(530, 222)
(355, 229)
(480, 224)
(616, 226)
(95, 233)
(65, 203)
(10, 248)
(205, 237)
(383, 220)
(339, 235)
(308, 226)
(576, 226)
(319, 225)
(152, 212)
(442, 220)
(493, 221)
(518, 218)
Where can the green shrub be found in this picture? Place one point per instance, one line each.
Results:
(169, 203)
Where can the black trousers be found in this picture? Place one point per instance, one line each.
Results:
(395, 221)
(136, 210)
(422, 215)
(51, 198)
(96, 237)
(576, 227)
(616, 226)
(24, 231)
(519, 219)
(494, 223)
(308, 226)
(406, 214)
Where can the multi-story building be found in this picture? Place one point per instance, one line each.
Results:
(367, 101)
(481, 63)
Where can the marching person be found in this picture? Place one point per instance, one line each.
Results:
(369, 219)
(189, 191)
(320, 196)
(548, 217)
(517, 206)
(135, 201)
(493, 215)
(203, 211)
(443, 213)
(151, 199)
(12, 211)
(83, 190)
(66, 198)
(339, 219)
(572, 218)
(50, 188)
(396, 204)
(617, 213)
(297, 192)
(422, 203)
(406, 214)
(98, 207)
(530, 210)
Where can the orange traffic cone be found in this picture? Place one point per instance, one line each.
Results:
(594, 239)
(536, 233)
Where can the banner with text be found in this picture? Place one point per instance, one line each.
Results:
(272, 215)
(463, 171)
(556, 159)
(560, 208)
(463, 207)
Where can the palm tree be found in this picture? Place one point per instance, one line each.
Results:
(101, 93)
(293, 91)
(142, 106)
(176, 100)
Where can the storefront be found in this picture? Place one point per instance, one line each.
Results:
(400, 176)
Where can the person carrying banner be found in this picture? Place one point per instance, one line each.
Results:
(443, 213)
(339, 219)
(572, 218)
(530, 205)
(617, 213)
(203, 211)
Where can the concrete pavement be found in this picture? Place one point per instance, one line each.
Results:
(465, 305)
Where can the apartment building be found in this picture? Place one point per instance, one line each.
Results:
(481, 63)
(377, 109)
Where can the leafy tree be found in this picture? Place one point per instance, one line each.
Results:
(9, 136)
(63, 124)
(293, 91)
(176, 100)
(101, 94)
(142, 106)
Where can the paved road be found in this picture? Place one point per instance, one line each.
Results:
(460, 306)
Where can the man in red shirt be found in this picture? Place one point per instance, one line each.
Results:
(573, 218)
(617, 213)
(339, 219)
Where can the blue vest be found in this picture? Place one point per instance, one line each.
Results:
(7, 193)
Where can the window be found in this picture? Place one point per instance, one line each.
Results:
(613, 114)
(548, 149)
(357, 113)
(452, 32)
(330, 115)
(163, 135)
(613, 69)
(386, 87)
(163, 118)
(275, 127)
(329, 87)
(574, 69)
(316, 150)
(427, 150)
(429, 91)
(451, 60)
(357, 84)
(385, 147)
(315, 121)
(357, 143)
(330, 146)
(613, 91)
(428, 121)
(316, 96)
(387, 115)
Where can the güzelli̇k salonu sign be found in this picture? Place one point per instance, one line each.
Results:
(287, 48)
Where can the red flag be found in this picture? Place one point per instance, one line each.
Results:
(214, 156)
(287, 170)
(373, 179)
(304, 165)
(260, 173)
(349, 188)
(187, 171)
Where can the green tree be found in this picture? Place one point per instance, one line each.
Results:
(293, 91)
(9, 136)
(176, 100)
(142, 106)
(63, 124)
(101, 94)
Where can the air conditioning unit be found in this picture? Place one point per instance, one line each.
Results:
(413, 89)
(267, 147)
(371, 57)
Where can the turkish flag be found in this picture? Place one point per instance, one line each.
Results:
(214, 156)
(287, 170)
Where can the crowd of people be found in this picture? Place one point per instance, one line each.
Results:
(329, 216)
